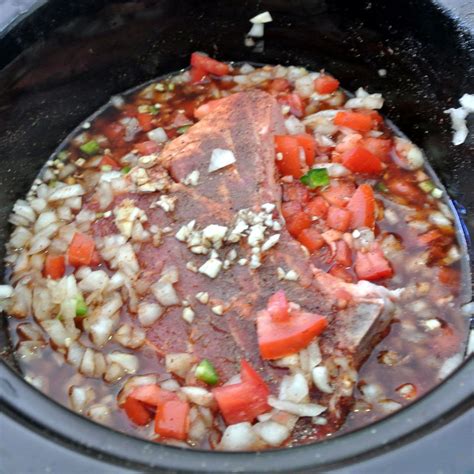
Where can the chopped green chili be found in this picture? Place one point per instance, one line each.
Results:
(153, 110)
(81, 307)
(206, 372)
(316, 178)
(381, 187)
(63, 155)
(171, 86)
(126, 169)
(426, 186)
(91, 147)
(182, 129)
(106, 168)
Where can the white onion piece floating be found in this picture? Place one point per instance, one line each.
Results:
(80, 397)
(44, 220)
(158, 135)
(264, 17)
(165, 293)
(99, 412)
(56, 331)
(271, 432)
(293, 388)
(257, 30)
(389, 406)
(6, 291)
(364, 100)
(321, 379)
(128, 361)
(179, 363)
(171, 385)
(238, 437)
(148, 313)
(294, 126)
(66, 192)
(199, 396)
(299, 409)
(220, 159)
(94, 281)
(449, 366)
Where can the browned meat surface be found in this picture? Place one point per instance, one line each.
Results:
(245, 124)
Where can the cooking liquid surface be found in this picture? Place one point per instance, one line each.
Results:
(409, 354)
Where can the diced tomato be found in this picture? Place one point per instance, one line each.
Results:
(311, 239)
(343, 253)
(338, 192)
(317, 207)
(294, 102)
(243, 401)
(81, 250)
(325, 84)
(205, 63)
(115, 132)
(372, 265)
(206, 108)
(197, 74)
(448, 276)
(145, 121)
(54, 266)
(107, 160)
(172, 420)
(278, 306)
(296, 192)
(147, 148)
(152, 395)
(289, 164)
(136, 411)
(298, 222)
(342, 273)
(290, 208)
(339, 219)
(406, 189)
(379, 147)
(362, 207)
(354, 120)
(360, 160)
(279, 85)
(308, 143)
(278, 339)
(429, 237)
(250, 376)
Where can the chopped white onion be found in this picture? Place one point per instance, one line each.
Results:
(165, 293)
(158, 135)
(257, 30)
(220, 159)
(271, 432)
(179, 363)
(199, 396)
(293, 388)
(128, 361)
(66, 192)
(6, 291)
(299, 409)
(449, 366)
(238, 437)
(264, 17)
(294, 126)
(94, 281)
(148, 313)
(80, 397)
(321, 379)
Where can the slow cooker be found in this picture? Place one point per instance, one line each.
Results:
(62, 60)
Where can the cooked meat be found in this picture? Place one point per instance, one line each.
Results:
(245, 124)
